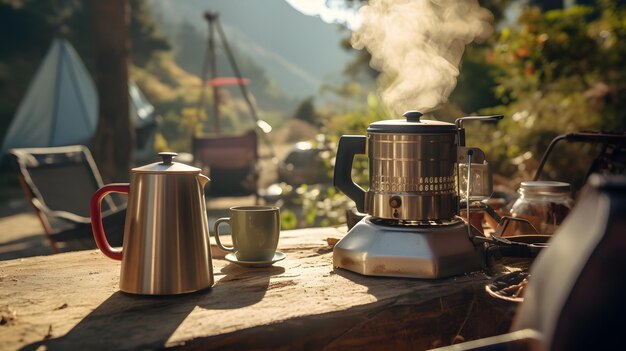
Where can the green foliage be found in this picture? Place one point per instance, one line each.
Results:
(145, 36)
(550, 73)
(306, 112)
(356, 120)
(559, 71)
(175, 94)
(475, 84)
(312, 206)
(323, 204)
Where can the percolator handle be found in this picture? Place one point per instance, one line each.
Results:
(459, 124)
(96, 218)
(349, 146)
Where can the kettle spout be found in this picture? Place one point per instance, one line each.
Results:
(203, 180)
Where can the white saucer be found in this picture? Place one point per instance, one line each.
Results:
(278, 256)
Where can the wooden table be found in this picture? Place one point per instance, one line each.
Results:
(72, 301)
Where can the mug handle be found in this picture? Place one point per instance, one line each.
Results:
(216, 230)
(96, 218)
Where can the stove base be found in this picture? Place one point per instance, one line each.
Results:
(429, 252)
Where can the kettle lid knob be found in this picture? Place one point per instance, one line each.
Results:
(167, 157)
(412, 116)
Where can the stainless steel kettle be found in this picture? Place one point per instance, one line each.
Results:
(415, 168)
(166, 247)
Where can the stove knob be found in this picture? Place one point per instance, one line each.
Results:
(395, 202)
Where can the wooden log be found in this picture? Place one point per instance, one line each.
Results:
(72, 301)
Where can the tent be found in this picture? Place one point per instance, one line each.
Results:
(61, 106)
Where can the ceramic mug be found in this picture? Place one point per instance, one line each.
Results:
(254, 231)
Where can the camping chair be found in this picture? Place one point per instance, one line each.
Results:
(58, 182)
(232, 163)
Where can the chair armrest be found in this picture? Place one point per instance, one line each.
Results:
(69, 216)
(117, 208)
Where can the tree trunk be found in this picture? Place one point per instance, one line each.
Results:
(114, 140)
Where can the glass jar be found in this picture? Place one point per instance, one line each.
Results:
(545, 204)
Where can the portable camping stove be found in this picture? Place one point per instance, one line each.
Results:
(418, 169)
(374, 247)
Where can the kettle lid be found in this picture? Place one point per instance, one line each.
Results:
(166, 166)
(412, 124)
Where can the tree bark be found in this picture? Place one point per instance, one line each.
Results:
(113, 143)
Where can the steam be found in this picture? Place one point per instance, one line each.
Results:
(418, 45)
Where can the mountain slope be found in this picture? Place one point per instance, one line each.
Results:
(298, 52)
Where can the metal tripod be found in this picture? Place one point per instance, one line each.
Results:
(210, 61)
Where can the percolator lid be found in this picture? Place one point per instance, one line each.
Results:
(411, 124)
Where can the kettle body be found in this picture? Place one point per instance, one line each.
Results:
(166, 247)
(414, 173)
(412, 169)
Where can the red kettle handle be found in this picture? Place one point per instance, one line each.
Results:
(96, 218)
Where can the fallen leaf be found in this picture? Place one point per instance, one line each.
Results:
(332, 241)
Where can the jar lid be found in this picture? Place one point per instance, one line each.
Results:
(541, 187)
(166, 166)
(411, 124)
